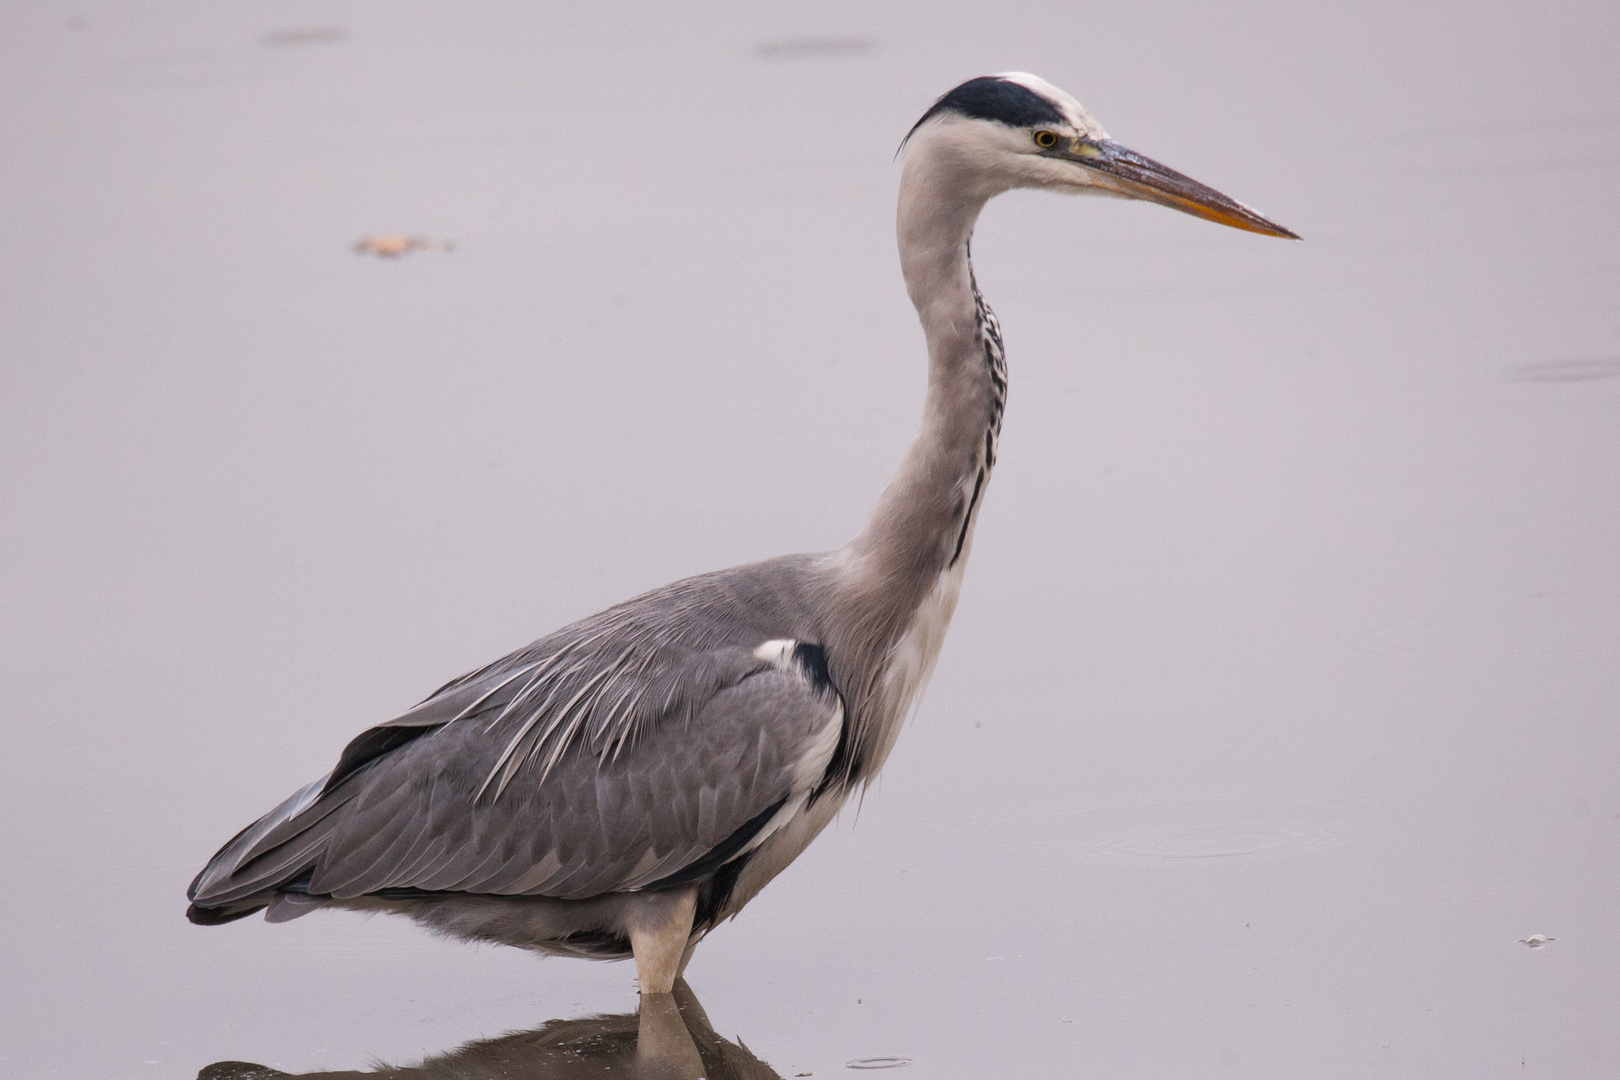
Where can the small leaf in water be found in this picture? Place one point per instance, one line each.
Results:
(393, 245)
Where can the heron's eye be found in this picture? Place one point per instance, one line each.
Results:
(1045, 139)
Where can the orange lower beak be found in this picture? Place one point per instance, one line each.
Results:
(1138, 177)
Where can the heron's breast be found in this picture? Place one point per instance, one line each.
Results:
(911, 660)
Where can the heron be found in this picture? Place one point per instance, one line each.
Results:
(619, 787)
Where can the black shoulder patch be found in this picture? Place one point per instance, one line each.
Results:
(813, 659)
(990, 98)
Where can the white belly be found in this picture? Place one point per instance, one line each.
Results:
(912, 659)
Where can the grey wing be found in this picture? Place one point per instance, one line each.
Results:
(725, 763)
(284, 843)
(589, 827)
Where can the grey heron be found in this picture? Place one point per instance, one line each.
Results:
(621, 786)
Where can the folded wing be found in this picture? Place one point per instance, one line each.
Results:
(634, 765)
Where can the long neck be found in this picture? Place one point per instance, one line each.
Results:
(903, 567)
(922, 524)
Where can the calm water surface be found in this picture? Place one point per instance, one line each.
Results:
(1281, 701)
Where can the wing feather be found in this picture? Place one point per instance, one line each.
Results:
(615, 754)
(587, 827)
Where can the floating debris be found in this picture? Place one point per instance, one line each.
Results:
(305, 35)
(1536, 941)
(393, 245)
(813, 48)
(877, 1063)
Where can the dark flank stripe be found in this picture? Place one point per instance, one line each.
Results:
(720, 854)
(714, 894)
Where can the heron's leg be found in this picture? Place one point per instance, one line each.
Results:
(665, 1049)
(686, 957)
(659, 930)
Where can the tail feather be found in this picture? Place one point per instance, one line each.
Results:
(219, 916)
(278, 849)
(288, 906)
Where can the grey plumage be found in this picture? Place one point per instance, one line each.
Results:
(627, 782)
(644, 736)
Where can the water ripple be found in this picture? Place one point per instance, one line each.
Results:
(1214, 827)
(1568, 371)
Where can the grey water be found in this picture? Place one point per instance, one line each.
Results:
(1281, 705)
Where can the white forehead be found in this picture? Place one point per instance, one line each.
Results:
(1072, 110)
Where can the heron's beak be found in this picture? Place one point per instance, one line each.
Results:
(1138, 177)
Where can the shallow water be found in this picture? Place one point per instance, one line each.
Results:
(1280, 704)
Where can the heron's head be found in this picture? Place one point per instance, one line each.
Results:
(1014, 130)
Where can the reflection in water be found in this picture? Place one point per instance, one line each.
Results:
(670, 1039)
